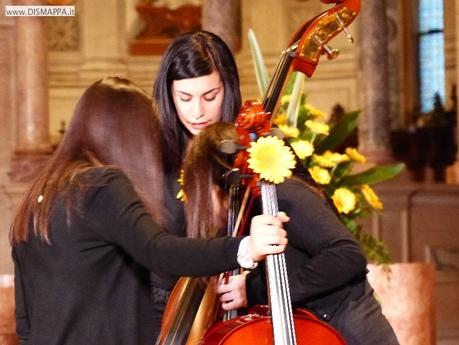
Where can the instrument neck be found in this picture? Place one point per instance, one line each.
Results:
(278, 288)
(277, 84)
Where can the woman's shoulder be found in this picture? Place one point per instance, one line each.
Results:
(101, 179)
(105, 182)
(100, 175)
(296, 186)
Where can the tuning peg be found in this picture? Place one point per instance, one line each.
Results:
(331, 53)
(232, 177)
(343, 26)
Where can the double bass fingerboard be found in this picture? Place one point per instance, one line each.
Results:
(279, 292)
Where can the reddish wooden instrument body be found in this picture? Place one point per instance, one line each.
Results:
(256, 328)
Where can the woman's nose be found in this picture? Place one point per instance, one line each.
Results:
(198, 110)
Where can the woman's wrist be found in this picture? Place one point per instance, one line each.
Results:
(244, 257)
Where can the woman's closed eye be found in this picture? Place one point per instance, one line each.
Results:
(184, 98)
(210, 98)
(212, 95)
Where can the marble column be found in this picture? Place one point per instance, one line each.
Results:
(453, 171)
(223, 17)
(104, 46)
(374, 125)
(32, 143)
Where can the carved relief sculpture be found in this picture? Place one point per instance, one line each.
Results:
(163, 20)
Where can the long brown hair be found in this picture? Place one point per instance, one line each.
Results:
(203, 168)
(113, 124)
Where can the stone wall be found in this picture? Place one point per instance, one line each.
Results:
(420, 223)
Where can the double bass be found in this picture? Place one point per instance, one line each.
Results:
(191, 308)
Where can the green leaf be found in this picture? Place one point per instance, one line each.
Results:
(339, 132)
(259, 64)
(294, 105)
(373, 175)
(342, 169)
(374, 249)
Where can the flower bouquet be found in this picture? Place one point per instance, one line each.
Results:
(316, 142)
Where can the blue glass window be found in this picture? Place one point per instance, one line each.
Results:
(431, 52)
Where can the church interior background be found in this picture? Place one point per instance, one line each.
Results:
(46, 63)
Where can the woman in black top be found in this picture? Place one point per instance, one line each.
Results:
(90, 228)
(326, 268)
(197, 84)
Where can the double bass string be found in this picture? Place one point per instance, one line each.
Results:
(233, 212)
(282, 266)
(282, 317)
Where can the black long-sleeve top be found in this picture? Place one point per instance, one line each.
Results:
(323, 259)
(91, 285)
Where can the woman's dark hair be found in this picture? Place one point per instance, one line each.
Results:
(203, 168)
(191, 55)
(113, 124)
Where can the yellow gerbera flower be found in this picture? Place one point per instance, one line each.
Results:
(280, 120)
(344, 200)
(320, 175)
(303, 148)
(355, 155)
(181, 193)
(315, 112)
(317, 127)
(289, 131)
(270, 158)
(371, 197)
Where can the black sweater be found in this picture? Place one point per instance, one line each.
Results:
(323, 259)
(91, 284)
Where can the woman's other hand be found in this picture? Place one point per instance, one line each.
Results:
(233, 295)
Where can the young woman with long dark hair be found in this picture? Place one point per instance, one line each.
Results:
(197, 84)
(90, 229)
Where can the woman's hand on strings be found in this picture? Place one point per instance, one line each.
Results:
(267, 235)
(232, 293)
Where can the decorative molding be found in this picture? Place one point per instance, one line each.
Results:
(63, 33)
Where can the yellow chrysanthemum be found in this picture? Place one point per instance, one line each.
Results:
(317, 127)
(315, 112)
(270, 158)
(355, 155)
(289, 131)
(280, 120)
(344, 200)
(303, 148)
(320, 175)
(371, 197)
(324, 161)
(181, 180)
(335, 157)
